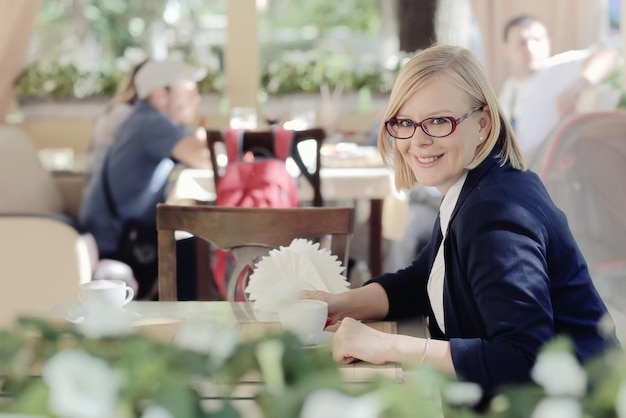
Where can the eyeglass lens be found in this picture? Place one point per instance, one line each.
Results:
(405, 128)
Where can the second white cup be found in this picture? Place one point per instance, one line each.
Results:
(306, 318)
(105, 295)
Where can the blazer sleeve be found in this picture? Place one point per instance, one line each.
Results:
(499, 264)
(406, 288)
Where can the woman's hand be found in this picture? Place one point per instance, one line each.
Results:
(356, 341)
(333, 300)
(367, 302)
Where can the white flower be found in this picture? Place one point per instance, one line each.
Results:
(463, 393)
(332, 404)
(156, 411)
(270, 357)
(108, 323)
(620, 400)
(606, 326)
(134, 55)
(81, 386)
(560, 373)
(558, 408)
(218, 339)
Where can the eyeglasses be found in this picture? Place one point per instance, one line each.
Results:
(436, 127)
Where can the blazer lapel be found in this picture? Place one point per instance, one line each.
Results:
(473, 178)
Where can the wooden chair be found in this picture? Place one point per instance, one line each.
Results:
(255, 140)
(249, 233)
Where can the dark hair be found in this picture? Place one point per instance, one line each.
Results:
(126, 92)
(519, 21)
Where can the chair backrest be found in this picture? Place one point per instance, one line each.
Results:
(255, 140)
(248, 233)
(42, 263)
(25, 185)
(583, 165)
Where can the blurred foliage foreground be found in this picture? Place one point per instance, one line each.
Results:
(49, 369)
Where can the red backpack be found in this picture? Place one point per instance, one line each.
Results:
(257, 182)
(251, 181)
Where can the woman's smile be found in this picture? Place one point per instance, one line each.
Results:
(426, 161)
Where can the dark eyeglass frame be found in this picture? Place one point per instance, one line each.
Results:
(452, 120)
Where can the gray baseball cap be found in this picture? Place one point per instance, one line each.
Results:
(160, 73)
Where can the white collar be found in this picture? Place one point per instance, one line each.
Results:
(449, 202)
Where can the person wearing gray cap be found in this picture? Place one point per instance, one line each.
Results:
(127, 184)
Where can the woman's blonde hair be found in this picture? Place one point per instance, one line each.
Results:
(461, 68)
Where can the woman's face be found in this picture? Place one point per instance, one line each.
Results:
(440, 162)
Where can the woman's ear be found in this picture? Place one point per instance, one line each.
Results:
(485, 121)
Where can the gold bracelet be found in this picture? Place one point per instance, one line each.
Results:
(425, 350)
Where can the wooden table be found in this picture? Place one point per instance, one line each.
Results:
(338, 183)
(161, 320)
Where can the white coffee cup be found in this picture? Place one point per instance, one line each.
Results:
(306, 318)
(105, 295)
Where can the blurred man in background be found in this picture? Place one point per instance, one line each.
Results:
(541, 88)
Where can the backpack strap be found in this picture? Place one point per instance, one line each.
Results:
(282, 142)
(233, 139)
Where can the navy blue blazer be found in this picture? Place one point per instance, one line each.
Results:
(514, 279)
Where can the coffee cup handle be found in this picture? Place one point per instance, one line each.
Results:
(130, 294)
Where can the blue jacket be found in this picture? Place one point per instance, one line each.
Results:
(515, 279)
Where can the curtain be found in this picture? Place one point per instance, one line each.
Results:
(572, 24)
(17, 23)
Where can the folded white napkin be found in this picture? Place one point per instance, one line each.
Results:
(303, 265)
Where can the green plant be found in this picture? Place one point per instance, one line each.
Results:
(293, 73)
(49, 369)
(55, 81)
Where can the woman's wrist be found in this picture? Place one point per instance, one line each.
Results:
(408, 349)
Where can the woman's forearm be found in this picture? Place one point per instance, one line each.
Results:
(367, 302)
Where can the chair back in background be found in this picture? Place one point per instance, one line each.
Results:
(583, 165)
(249, 233)
(42, 262)
(25, 185)
(264, 140)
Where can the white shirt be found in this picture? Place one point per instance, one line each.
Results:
(531, 102)
(438, 272)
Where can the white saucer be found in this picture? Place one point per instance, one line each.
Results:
(324, 341)
(78, 316)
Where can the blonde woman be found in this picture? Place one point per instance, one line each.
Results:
(501, 275)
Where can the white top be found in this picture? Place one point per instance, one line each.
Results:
(438, 272)
(531, 102)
